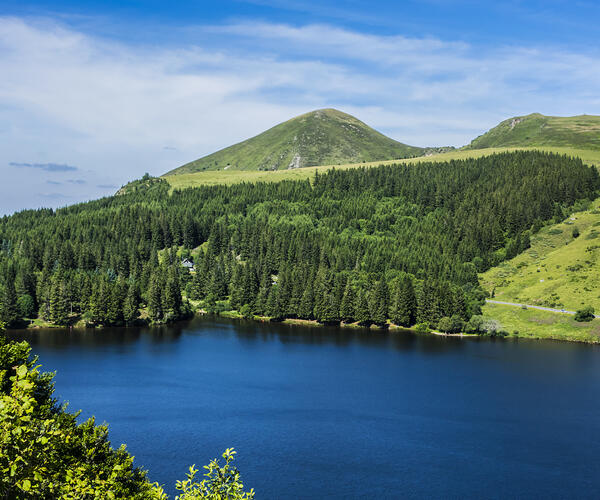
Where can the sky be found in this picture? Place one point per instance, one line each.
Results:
(94, 94)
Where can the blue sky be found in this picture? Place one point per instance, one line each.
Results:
(95, 93)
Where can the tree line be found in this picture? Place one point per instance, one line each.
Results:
(393, 243)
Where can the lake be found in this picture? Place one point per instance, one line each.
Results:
(340, 413)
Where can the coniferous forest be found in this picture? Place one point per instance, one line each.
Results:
(392, 243)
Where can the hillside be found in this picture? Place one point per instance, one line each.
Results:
(214, 177)
(582, 132)
(361, 245)
(558, 271)
(321, 137)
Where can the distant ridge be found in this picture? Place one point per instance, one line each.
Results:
(321, 137)
(581, 132)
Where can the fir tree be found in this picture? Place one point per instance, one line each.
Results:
(361, 308)
(155, 308)
(305, 310)
(131, 305)
(9, 314)
(379, 303)
(347, 305)
(404, 305)
(59, 313)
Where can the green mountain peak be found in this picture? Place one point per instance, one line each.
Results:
(535, 129)
(321, 137)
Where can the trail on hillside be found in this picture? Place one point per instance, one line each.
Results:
(528, 306)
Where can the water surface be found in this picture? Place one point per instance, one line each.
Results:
(335, 413)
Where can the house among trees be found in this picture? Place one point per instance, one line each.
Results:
(188, 264)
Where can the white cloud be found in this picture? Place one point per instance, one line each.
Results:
(110, 107)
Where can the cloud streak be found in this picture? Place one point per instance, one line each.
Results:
(48, 167)
(113, 106)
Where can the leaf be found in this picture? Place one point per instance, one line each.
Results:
(26, 486)
(21, 371)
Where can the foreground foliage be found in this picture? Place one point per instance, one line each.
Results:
(220, 483)
(45, 453)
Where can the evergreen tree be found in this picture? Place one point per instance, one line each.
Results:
(9, 314)
(26, 306)
(307, 301)
(59, 313)
(361, 308)
(347, 305)
(155, 307)
(131, 305)
(379, 303)
(404, 304)
(171, 296)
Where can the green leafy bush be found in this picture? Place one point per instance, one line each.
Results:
(221, 483)
(584, 314)
(45, 453)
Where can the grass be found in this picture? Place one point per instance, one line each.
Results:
(212, 177)
(325, 136)
(531, 323)
(558, 270)
(538, 130)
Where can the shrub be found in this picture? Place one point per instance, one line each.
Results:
(26, 306)
(45, 453)
(475, 324)
(422, 328)
(220, 483)
(575, 232)
(584, 314)
(246, 311)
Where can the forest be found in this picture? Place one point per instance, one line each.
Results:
(394, 244)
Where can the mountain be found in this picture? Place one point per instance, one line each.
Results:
(322, 137)
(582, 132)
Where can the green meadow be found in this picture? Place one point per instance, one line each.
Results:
(212, 177)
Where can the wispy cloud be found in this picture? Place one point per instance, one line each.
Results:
(106, 186)
(48, 167)
(123, 109)
(76, 181)
(55, 196)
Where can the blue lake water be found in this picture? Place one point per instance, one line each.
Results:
(336, 413)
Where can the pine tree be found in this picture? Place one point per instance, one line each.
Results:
(347, 305)
(155, 310)
(131, 305)
(273, 307)
(59, 313)
(114, 313)
(404, 305)
(9, 314)
(361, 308)
(171, 296)
(198, 286)
(324, 309)
(99, 300)
(305, 310)
(379, 303)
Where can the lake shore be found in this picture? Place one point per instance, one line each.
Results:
(518, 327)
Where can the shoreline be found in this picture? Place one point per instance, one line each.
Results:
(307, 322)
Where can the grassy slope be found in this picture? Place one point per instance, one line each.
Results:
(321, 137)
(181, 181)
(557, 271)
(581, 132)
(530, 323)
